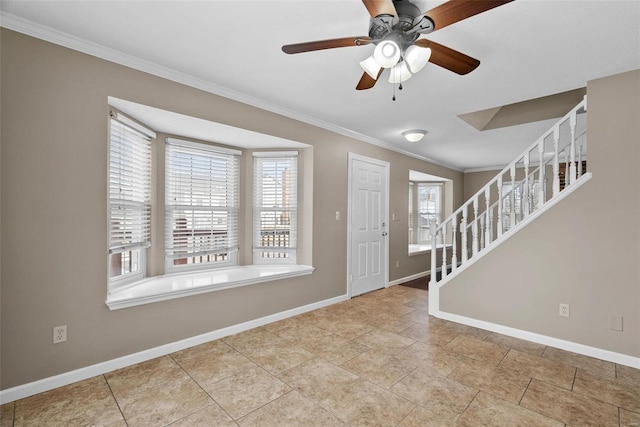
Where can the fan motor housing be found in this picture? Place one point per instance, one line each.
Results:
(409, 16)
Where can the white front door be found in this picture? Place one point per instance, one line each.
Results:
(368, 227)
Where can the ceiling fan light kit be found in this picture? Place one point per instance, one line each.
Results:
(417, 57)
(371, 66)
(387, 53)
(399, 73)
(395, 28)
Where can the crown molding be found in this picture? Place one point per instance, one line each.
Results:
(51, 35)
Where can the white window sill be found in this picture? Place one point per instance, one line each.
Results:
(177, 285)
(423, 248)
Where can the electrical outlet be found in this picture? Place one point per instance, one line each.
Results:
(564, 310)
(59, 334)
(397, 263)
(337, 215)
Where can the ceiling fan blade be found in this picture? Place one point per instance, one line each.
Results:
(448, 58)
(456, 10)
(380, 7)
(366, 82)
(326, 44)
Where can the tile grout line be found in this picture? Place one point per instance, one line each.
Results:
(114, 399)
(525, 392)
(201, 388)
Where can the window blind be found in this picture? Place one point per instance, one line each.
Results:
(429, 209)
(129, 186)
(410, 219)
(275, 207)
(201, 203)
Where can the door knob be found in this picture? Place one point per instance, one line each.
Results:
(384, 233)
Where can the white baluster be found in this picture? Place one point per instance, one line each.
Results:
(556, 164)
(541, 190)
(499, 182)
(580, 171)
(566, 168)
(444, 250)
(525, 186)
(572, 167)
(483, 226)
(463, 233)
(491, 234)
(454, 239)
(432, 228)
(474, 228)
(512, 197)
(487, 200)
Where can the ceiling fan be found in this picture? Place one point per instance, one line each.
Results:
(395, 28)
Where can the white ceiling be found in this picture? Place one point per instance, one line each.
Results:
(527, 48)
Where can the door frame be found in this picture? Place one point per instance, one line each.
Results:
(350, 201)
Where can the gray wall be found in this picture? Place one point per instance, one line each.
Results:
(53, 217)
(583, 252)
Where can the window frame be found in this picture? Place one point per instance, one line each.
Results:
(232, 206)
(142, 188)
(291, 249)
(423, 234)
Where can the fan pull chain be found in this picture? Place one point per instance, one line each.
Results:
(394, 92)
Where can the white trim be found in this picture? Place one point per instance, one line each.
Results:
(50, 383)
(203, 145)
(42, 32)
(484, 169)
(133, 124)
(610, 356)
(178, 285)
(425, 248)
(275, 154)
(387, 166)
(413, 277)
(410, 278)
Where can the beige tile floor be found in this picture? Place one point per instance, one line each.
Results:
(376, 360)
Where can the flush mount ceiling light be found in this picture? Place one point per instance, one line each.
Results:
(414, 135)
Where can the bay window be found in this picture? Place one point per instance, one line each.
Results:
(201, 205)
(129, 198)
(275, 207)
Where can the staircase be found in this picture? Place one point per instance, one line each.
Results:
(545, 173)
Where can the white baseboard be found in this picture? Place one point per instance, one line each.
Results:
(585, 350)
(413, 277)
(45, 384)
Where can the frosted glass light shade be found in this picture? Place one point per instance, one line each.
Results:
(414, 135)
(371, 67)
(399, 73)
(417, 57)
(387, 53)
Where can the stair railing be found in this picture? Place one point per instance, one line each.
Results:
(551, 164)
